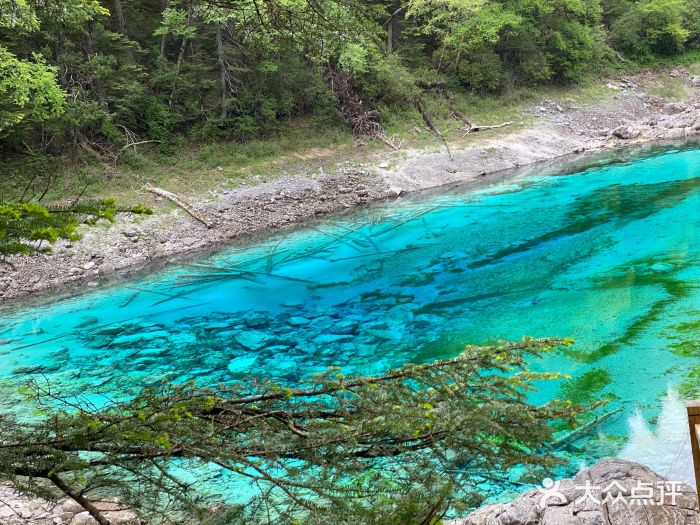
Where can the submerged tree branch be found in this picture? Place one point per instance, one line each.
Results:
(333, 445)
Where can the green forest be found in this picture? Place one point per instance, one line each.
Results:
(92, 76)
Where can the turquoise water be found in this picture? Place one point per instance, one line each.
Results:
(608, 256)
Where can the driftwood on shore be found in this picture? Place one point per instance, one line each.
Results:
(475, 127)
(182, 204)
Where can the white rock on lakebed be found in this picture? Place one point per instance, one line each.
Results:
(242, 364)
(254, 339)
(298, 321)
(140, 337)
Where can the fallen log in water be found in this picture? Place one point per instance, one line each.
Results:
(581, 431)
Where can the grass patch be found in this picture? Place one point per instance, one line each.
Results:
(187, 170)
(668, 87)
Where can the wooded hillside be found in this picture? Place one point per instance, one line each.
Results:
(99, 76)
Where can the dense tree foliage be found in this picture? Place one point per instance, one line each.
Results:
(29, 227)
(400, 448)
(89, 72)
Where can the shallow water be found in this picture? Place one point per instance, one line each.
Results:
(608, 256)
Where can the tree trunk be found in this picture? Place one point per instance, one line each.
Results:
(79, 499)
(183, 204)
(459, 54)
(390, 36)
(180, 58)
(222, 71)
(163, 39)
(119, 15)
(442, 58)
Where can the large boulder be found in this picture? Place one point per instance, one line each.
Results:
(627, 132)
(612, 492)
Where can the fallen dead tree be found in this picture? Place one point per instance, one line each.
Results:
(442, 91)
(181, 203)
(131, 142)
(364, 122)
(584, 430)
(472, 128)
(431, 125)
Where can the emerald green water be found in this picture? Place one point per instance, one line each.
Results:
(608, 256)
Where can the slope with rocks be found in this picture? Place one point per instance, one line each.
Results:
(559, 131)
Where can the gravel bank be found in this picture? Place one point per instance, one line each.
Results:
(559, 130)
(19, 509)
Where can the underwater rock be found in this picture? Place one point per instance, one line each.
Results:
(285, 367)
(112, 330)
(139, 338)
(183, 338)
(321, 324)
(661, 267)
(254, 339)
(143, 363)
(278, 349)
(429, 320)
(345, 327)
(306, 347)
(152, 352)
(241, 364)
(298, 321)
(327, 339)
(257, 320)
(216, 326)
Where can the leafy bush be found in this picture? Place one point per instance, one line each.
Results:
(652, 27)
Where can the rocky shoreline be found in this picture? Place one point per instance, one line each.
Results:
(612, 492)
(559, 132)
(19, 509)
